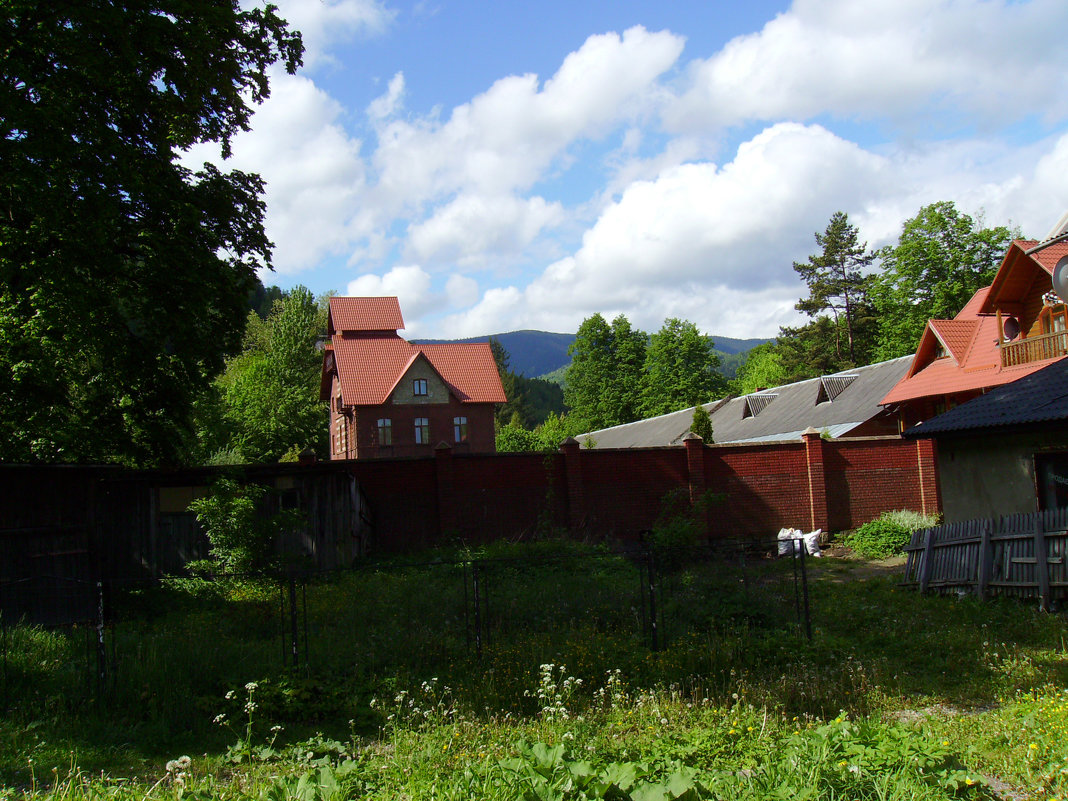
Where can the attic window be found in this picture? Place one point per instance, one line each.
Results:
(419, 386)
(831, 386)
(755, 404)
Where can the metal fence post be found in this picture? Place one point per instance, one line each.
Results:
(475, 592)
(804, 589)
(652, 600)
(101, 650)
(293, 633)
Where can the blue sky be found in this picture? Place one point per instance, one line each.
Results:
(525, 165)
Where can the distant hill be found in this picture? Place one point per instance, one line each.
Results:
(530, 353)
(541, 354)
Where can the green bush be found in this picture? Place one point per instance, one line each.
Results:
(889, 534)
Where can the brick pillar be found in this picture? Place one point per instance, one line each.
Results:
(695, 470)
(576, 499)
(695, 465)
(817, 483)
(446, 495)
(927, 476)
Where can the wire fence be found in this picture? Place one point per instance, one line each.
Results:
(119, 641)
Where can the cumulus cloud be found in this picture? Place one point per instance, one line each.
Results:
(716, 244)
(473, 229)
(505, 138)
(886, 59)
(325, 23)
(312, 169)
(387, 105)
(410, 284)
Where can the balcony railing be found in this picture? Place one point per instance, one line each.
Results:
(1034, 349)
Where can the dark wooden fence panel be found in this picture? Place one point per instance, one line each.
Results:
(1023, 554)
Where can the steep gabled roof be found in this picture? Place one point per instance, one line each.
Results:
(370, 362)
(956, 336)
(351, 315)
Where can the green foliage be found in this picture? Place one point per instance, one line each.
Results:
(702, 424)
(761, 369)
(941, 259)
(602, 385)
(241, 534)
(124, 274)
(545, 437)
(266, 402)
(680, 369)
(682, 524)
(837, 282)
(889, 534)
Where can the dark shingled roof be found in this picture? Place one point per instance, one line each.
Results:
(1040, 397)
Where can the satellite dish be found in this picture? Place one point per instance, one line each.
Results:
(1012, 329)
(1060, 279)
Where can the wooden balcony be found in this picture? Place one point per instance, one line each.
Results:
(1034, 349)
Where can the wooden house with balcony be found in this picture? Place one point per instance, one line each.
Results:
(1008, 330)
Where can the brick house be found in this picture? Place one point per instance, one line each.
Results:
(391, 398)
(1008, 330)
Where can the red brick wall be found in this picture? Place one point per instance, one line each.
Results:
(833, 485)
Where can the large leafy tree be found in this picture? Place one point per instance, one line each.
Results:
(602, 386)
(680, 369)
(265, 405)
(942, 257)
(123, 274)
(836, 279)
(761, 369)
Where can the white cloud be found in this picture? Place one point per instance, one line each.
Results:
(989, 60)
(506, 137)
(324, 23)
(716, 245)
(312, 170)
(473, 229)
(387, 105)
(411, 285)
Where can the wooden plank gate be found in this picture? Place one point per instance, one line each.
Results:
(1023, 555)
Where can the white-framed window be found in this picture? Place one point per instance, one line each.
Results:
(422, 431)
(459, 429)
(385, 431)
(419, 386)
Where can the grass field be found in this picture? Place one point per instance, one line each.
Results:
(895, 695)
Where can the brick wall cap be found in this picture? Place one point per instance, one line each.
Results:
(810, 432)
(569, 441)
(690, 437)
(443, 446)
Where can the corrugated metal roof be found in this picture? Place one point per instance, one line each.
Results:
(349, 314)
(1040, 397)
(793, 409)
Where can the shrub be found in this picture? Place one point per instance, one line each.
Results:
(889, 534)
(241, 537)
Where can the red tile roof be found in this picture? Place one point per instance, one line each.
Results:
(370, 366)
(365, 314)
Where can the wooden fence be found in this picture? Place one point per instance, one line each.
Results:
(1024, 555)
